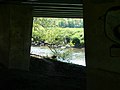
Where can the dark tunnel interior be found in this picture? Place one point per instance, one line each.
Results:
(21, 71)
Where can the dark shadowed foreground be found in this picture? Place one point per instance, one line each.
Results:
(44, 74)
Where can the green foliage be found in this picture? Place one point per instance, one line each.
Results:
(54, 36)
(75, 40)
(65, 55)
(62, 53)
(57, 35)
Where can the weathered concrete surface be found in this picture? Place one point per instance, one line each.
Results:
(4, 35)
(20, 35)
(15, 33)
(101, 66)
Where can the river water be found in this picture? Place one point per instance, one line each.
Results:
(77, 55)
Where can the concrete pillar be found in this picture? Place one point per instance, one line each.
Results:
(4, 36)
(15, 36)
(103, 64)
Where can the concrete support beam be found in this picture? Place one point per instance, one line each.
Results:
(15, 32)
(103, 61)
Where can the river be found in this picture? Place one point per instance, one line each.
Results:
(77, 56)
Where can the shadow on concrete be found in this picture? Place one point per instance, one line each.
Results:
(44, 75)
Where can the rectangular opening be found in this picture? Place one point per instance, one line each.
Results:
(59, 39)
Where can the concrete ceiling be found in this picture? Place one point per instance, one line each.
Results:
(53, 8)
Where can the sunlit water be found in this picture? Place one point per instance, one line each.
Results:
(77, 56)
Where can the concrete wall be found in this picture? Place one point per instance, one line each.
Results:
(103, 60)
(4, 35)
(15, 35)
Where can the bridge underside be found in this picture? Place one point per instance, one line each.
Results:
(17, 71)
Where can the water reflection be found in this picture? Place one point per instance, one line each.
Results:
(77, 57)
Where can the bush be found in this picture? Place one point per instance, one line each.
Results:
(76, 42)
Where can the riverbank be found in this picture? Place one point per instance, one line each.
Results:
(44, 75)
(77, 56)
(50, 66)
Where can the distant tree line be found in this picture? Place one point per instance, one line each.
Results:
(59, 22)
(71, 23)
